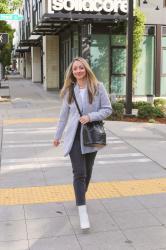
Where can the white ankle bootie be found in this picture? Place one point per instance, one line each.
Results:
(84, 220)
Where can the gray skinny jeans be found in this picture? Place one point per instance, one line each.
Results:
(82, 165)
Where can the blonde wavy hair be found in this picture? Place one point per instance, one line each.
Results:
(92, 81)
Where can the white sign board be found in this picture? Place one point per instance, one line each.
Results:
(91, 6)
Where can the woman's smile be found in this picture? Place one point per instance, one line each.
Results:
(79, 70)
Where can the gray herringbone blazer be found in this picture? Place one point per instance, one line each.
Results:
(98, 110)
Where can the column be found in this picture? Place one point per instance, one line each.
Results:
(28, 66)
(36, 64)
(22, 66)
(51, 62)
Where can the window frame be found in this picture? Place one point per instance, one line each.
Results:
(163, 48)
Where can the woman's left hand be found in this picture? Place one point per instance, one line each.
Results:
(84, 119)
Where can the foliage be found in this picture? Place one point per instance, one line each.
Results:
(138, 32)
(138, 104)
(7, 7)
(117, 111)
(122, 101)
(160, 102)
(5, 50)
(150, 112)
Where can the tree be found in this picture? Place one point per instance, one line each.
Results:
(138, 34)
(5, 50)
(5, 55)
(7, 7)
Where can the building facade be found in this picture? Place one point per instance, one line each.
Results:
(55, 31)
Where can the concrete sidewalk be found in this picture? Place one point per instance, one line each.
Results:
(127, 196)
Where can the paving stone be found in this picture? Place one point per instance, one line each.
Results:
(13, 230)
(49, 210)
(104, 241)
(147, 237)
(14, 245)
(59, 243)
(134, 219)
(8, 213)
(43, 228)
(159, 213)
(122, 204)
(154, 200)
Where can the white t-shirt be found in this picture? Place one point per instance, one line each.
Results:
(82, 94)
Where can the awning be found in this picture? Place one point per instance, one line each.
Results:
(23, 49)
(52, 24)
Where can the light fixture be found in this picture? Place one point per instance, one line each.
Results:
(157, 8)
(145, 2)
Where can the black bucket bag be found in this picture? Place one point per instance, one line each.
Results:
(94, 134)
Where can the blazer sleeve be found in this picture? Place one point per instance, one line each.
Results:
(105, 109)
(63, 118)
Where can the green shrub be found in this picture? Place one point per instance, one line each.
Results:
(150, 112)
(138, 104)
(159, 112)
(122, 101)
(117, 111)
(160, 102)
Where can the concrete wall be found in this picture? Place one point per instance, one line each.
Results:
(154, 16)
(22, 66)
(36, 64)
(28, 65)
(45, 4)
(51, 62)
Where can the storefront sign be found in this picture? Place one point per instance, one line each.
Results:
(91, 6)
(15, 17)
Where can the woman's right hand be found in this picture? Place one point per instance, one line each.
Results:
(56, 143)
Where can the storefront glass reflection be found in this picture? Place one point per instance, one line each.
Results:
(100, 57)
(145, 71)
(118, 64)
(163, 67)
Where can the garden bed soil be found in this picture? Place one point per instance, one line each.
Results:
(136, 119)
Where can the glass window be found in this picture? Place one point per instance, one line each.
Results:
(118, 85)
(75, 49)
(163, 62)
(118, 40)
(164, 41)
(145, 70)
(118, 64)
(118, 61)
(163, 86)
(100, 57)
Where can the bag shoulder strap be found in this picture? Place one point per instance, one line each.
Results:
(76, 101)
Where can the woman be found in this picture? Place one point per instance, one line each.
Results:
(95, 105)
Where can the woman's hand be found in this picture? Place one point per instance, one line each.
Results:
(84, 119)
(56, 143)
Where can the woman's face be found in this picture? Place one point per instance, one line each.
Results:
(79, 70)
